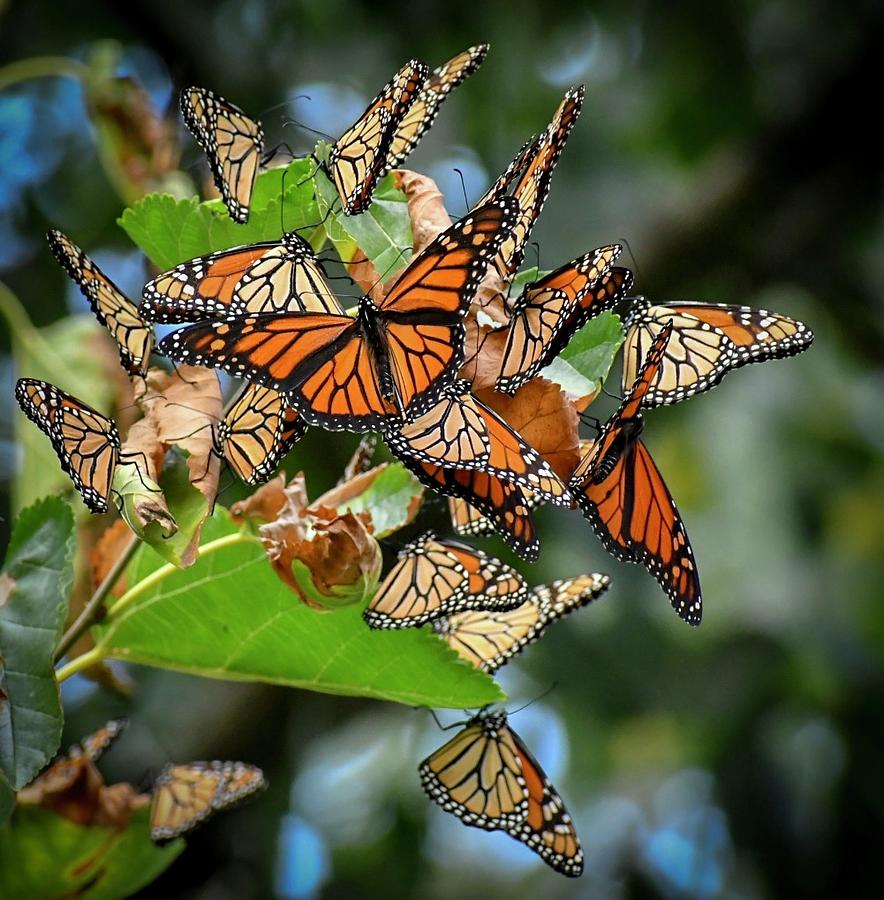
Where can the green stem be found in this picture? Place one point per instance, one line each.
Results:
(77, 665)
(96, 654)
(164, 572)
(92, 609)
(42, 67)
(21, 327)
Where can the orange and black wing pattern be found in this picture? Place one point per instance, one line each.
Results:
(185, 795)
(86, 442)
(528, 180)
(487, 777)
(257, 431)
(422, 112)
(436, 577)
(489, 638)
(708, 341)
(231, 140)
(134, 336)
(466, 434)
(549, 312)
(270, 277)
(500, 502)
(357, 374)
(547, 828)
(361, 155)
(622, 494)
(478, 776)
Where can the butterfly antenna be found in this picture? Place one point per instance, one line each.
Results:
(270, 154)
(536, 247)
(549, 690)
(303, 127)
(463, 188)
(383, 276)
(625, 242)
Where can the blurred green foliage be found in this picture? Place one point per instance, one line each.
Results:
(721, 140)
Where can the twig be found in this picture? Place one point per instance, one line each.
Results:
(90, 612)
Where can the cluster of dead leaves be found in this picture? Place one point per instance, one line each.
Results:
(336, 545)
(74, 788)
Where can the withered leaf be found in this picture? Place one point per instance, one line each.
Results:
(541, 413)
(426, 207)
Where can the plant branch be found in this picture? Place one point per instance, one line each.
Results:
(79, 664)
(91, 611)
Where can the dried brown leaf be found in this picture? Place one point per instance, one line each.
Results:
(74, 788)
(341, 493)
(105, 553)
(338, 550)
(363, 272)
(265, 504)
(541, 413)
(426, 207)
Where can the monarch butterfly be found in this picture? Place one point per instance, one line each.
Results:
(487, 777)
(422, 112)
(111, 307)
(273, 276)
(501, 502)
(435, 577)
(86, 442)
(457, 431)
(257, 431)
(708, 341)
(391, 360)
(527, 178)
(624, 497)
(231, 140)
(490, 638)
(548, 312)
(360, 156)
(184, 796)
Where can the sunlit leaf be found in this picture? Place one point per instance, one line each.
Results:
(592, 350)
(43, 854)
(34, 589)
(382, 232)
(170, 231)
(230, 616)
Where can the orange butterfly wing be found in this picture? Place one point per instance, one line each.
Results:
(622, 494)
(357, 374)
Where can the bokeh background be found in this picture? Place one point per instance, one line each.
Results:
(731, 145)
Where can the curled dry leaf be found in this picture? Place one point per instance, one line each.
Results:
(541, 413)
(265, 504)
(181, 409)
(426, 207)
(349, 489)
(337, 553)
(74, 788)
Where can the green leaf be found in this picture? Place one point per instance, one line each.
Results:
(391, 499)
(170, 231)
(187, 505)
(34, 589)
(229, 616)
(382, 232)
(592, 350)
(569, 379)
(43, 854)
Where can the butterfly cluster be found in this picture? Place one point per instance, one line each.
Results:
(397, 365)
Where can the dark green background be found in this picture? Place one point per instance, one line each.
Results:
(731, 145)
